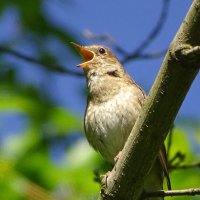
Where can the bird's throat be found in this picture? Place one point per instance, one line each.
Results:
(103, 88)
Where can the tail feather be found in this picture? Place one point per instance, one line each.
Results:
(164, 164)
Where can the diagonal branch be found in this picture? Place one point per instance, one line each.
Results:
(174, 79)
(55, 68)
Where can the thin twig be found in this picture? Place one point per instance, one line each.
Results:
(178, 156)
(56, 68)
(119, 49)
(153, 34)
(163, 193)
(104, 37)
(188, 166)
(149, 55)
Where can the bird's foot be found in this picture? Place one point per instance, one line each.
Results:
(104, 179)
(117, 158)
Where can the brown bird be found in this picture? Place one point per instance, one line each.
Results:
(113, 105)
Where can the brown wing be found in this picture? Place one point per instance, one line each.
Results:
(163, 161)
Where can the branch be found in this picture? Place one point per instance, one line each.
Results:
(162, 104)
(179, 157)
(149, 55)
(119, 49)
(153, 34)
(188, 166)
(55, 68)
(137, 54)
(107, 38)
(163, 193)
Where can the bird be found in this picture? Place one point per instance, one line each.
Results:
(114, 102)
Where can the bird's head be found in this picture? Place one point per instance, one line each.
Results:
(95, 56)
(105, 75)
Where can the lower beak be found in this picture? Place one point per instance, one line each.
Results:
(86, 54)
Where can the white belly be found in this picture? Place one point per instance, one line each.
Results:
(108, 124)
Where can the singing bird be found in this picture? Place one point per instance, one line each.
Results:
(113, 105)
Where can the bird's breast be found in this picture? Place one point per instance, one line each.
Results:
(108, 124)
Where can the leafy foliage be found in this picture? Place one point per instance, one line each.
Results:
(183, 178)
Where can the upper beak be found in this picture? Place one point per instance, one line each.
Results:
(86, 54)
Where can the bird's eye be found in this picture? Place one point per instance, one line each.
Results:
(102, 51)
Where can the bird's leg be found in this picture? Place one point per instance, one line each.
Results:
(104, 178)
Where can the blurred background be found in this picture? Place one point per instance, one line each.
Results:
(43, 151)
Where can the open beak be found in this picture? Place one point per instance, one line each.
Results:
(86, 55)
